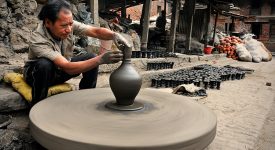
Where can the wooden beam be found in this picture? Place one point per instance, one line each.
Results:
(208, 15)
(174, 24)
(190, 8)
(232, 25)
(142, 17)
(165, 5)
(94, 11)
(145, 30)
(123, 10)
(215, 27)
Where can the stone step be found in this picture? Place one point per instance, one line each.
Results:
(10, 100)
(141, 63)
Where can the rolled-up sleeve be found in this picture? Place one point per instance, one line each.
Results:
(43, 50)
(79, 28)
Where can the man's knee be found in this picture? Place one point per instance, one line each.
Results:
(44, 64)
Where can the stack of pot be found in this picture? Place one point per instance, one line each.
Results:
(228, 45)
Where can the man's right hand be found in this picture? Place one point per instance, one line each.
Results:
(110, 57)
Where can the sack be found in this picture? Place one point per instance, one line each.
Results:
(267, 56)
(243, 53)
(254, 47)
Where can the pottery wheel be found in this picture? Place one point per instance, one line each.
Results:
(79, 120)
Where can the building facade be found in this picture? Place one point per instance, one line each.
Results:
(260, 21)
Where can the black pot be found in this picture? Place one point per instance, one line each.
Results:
(125, 82)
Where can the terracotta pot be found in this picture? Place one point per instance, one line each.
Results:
(125, 82)
(208, 50)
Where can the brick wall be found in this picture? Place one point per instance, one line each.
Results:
(265, 11)
(135, 12)
(246, 27)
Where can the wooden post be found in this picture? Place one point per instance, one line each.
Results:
(215, 27)
(94, 11)
(145, 30)
(123, 10)
(165, 6)
(232, 25)
(174, 24)
(190, 8)
(142, 18)
(208, 15)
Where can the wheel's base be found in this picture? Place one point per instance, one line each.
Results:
(135, 106)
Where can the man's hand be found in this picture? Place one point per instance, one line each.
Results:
(120, 41)
(110, 57)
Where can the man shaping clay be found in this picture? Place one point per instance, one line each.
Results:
(51, 58)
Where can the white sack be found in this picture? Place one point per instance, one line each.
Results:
(255, 49)
(243, 53)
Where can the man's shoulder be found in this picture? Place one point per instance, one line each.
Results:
(39, 35)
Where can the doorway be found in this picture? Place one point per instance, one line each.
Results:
(256, 29)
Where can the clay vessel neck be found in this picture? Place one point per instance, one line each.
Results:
(127, 53)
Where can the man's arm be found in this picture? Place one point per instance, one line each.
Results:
(106, 34)
(76, 67)
(83, 66)
(100, 33)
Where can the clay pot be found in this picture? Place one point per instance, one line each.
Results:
(125, 82)
(208, 50)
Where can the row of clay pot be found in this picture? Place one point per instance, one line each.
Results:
(159, 65)
(205, 76)
(151, 54)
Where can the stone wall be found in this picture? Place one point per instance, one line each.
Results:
(17, 19)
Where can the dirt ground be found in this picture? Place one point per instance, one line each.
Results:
(245, 109)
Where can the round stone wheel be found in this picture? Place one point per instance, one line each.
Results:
(79, 120)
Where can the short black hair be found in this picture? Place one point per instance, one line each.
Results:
(51, 9)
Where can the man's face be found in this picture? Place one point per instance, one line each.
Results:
(62, 27)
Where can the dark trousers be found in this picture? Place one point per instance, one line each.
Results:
(43, 73)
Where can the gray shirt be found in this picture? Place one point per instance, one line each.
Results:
(42, 44)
